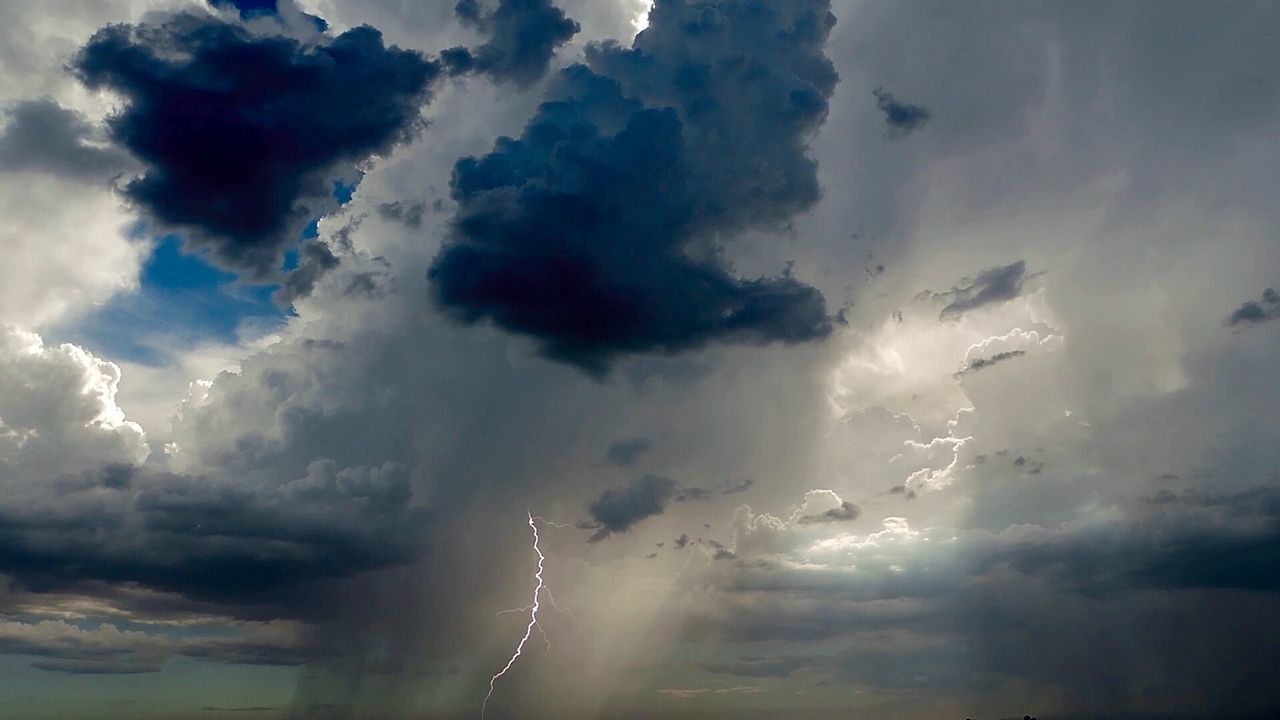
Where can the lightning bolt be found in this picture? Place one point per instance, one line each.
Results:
(533, 608)
(556, 524)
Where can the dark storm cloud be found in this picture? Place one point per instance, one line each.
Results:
(1200, 541)
(599, 231)
(617, 510)
(845, 513)
(624, 453)
(983, 363)
(522, 36)
(243, 135)
(992, 286)
(43, 136)
(206, 539)
(901, 117)
(1190, 541)
(1192, 578)
(1257, 311)
(249, 8)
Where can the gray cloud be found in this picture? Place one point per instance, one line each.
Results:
(625, 453)
(43, 136)
(1253, 312)
(207, 539)
(521, 38)
(925, 599)
(617, 510)
(692, 494)
(60, 646)
(991, 286)
(901, 117)
(983, 363)
(598, 231)
(846, 512)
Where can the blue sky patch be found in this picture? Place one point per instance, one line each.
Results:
(181, 302)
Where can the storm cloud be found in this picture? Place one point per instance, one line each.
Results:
(598, 232)
(522, 37)
(206, 539)
(991, 286)
(617, 510)
(901, 117)
(240, 162)
(1253, 312)
(983, 363)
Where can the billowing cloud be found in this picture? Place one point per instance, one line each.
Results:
(58, 411)
(521, 38)
(845, 512)
(72, 467)
(241, 162)
(1078, 543)
(598, 231)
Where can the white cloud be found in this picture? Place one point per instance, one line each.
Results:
(58, 411)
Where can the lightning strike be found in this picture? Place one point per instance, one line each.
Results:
(556, 524)
(533, 618)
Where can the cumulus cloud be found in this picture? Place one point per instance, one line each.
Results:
(241, 162)
(845, 512)
(58, 411)
(598, 231)
(901, 117)
(521, 38)
(80, 506)
(617, 510)
(63, 647)
(765, 534)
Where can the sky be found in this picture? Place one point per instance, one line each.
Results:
(617, 359)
